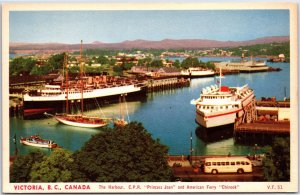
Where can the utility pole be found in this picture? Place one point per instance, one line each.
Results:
(191, 149)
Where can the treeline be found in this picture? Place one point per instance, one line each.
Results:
(270, 49)
(31, 66)
(119, 154)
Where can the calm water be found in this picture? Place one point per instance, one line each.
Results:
(167, 115)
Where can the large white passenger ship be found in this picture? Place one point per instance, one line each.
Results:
(55, 95)
(222, 105)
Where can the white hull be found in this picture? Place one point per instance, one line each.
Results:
(78, 124)
(36, 145)
(197, 73)
(243, 66)
(87, 94)
(217, 120)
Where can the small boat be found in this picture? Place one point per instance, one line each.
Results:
(37, 141)
(121, 121)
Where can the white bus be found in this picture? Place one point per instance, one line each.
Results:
(227, 165)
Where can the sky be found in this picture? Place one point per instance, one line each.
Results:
(121, 25)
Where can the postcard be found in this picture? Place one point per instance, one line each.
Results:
(149, 97)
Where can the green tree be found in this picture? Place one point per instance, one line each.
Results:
(156, 63)
(22, 165)
(18, 65)
(144, 62)
(53, 168)
(56, 61)
(127, 66)
(102, 60)
(190, 62)
(177, 64)
(277, 161)
(123, 154)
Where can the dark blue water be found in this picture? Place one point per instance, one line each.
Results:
(167, 115)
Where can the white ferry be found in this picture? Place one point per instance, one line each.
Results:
(197, 72)
(244, 66)
(218, 106)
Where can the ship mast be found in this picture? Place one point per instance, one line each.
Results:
(81, 77)
(67, 83)
(220, 81)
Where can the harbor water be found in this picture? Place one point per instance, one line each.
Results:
(168, 115)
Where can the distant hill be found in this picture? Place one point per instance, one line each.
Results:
(25, 48)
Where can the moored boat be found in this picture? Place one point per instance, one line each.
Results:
(244, 66)
(197, 72)
(222, 105)
(81, 120)
(121, 121)
(78, 120)
(37, 141)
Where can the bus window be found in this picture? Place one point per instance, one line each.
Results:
(232, 163)
(207, 164)
(227, 163)
(218, 163)
(238, 163)
(223, 163)
(242, 163)
(247, 163)
(214, 163)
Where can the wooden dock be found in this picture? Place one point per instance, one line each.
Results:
(264, 127)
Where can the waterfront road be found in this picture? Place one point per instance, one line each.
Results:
(187, 173)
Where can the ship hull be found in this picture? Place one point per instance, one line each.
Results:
(78, 124)
(57, 104)
(197, 75)
(216, 120)
(38, 145)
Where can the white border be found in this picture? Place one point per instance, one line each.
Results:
(291, 186)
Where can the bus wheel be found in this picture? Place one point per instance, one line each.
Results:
(240, 171)
(214, 171)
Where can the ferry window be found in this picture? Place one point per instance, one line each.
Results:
(223, 163)
(208, 164)
(227, 163)
(232, 163)
(238, 163)
(218, 163)
(214, 163)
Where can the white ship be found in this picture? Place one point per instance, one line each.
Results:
(57, 93)
(54, 96)
(243, 65)
(197, 72)
(222, 105)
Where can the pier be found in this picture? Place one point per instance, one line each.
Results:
(162, 83)
(264, 127)
(262, 121)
